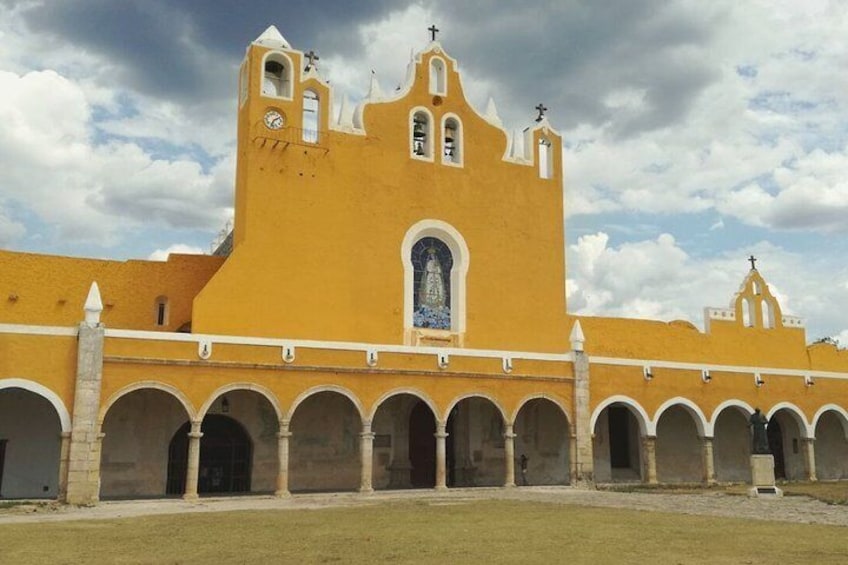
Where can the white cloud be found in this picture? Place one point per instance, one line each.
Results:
(179, 248)
(51, 164)
(657, 279)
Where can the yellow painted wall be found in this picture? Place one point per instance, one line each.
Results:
(319, 228)
(51, 290)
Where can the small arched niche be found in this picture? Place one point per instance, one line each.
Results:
(546, 158)
(452, 153)
(161, 311)
(311, 116)
(438, 77)
(276, 79)
(421, 134)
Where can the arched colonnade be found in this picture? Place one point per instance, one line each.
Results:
(679, 443)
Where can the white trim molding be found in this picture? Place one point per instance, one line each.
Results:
(46, 394)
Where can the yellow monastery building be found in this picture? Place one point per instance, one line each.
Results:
(389, 312)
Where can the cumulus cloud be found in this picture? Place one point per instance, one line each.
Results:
(53, 166)
(179, 248)
(658, 279)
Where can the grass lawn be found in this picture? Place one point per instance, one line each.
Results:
(482, 531)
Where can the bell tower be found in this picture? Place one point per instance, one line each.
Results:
(282, 102)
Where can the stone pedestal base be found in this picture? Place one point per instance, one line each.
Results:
(762, 477)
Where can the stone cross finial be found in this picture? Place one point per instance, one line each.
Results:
(433, 31)
(312, 56)
(541, 109)
(753, 261)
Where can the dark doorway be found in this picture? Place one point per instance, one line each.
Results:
(619, 437)
(2, 462)
(225, 457)
(775, 441)
(422, 446)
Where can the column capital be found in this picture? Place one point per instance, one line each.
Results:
(367, 435)
(195, 435)
(284, 434)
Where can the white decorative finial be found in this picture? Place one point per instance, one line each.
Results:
(93, 305)
(517, 149)
(272, 37)
(374, 90)
(345, 114)
(577, 338)
(492, 112)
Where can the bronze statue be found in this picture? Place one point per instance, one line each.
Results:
(758, 423)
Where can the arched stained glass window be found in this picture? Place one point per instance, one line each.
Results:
(432, 263)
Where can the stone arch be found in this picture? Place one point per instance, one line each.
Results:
(646, 426)
(542, 395)
(44, 392)
(797, 414)
(326, 388)
(461, 259)
(542, 432)
(453, 403)
(423, 397)
(34, 426)
(704, 428)
(740, 405)
(404, 420)
(831, 447)
(136, 464)
(253, 387)
(731, 441)
(164, 387)
(842, 413)
(325, 449)
(475, 446)
(619, 426)
(680, 428)
(785, 420)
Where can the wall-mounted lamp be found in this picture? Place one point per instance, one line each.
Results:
(288, 353)
(706, 376)
(507, 364)
(443, 360)
(204, 349)
(371, 357)
(646, 371)
(808, 380)
(758, 380)
(225, 405)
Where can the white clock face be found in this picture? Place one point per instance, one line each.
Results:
(274, 119)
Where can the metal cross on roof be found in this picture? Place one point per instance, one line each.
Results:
(312, 56)
(433, 31)
(541, 108)
(753, 261)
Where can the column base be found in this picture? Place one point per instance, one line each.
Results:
(440, 488)
(191, 496)
(282, 494)
(509, 485)
(367, 490)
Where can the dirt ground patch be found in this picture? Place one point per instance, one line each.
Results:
(705, 502)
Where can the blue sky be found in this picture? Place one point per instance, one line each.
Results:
(696, 133)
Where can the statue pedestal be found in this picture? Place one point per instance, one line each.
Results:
(762, 477)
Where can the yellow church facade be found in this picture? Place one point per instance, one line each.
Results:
(389, 313)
